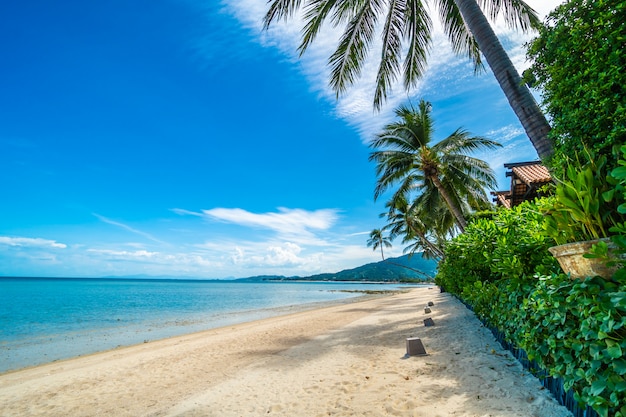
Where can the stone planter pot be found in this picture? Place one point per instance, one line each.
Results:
(570, 257)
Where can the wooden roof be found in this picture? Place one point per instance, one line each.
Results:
(532, 174)
(502, 198)
(526, 178)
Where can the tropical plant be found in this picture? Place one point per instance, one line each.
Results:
(616, 255)
(378, 240)
(508, 245)
(573, 330)
(441, 171)
(406, 36)
(584, 207)
(586, 96)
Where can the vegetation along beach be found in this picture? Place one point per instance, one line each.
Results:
(313, 208)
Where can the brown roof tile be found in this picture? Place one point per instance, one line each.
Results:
(503, 198)
(532, 174)
(505, 202)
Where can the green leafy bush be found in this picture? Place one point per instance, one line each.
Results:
(510, 244)
(576, 330)
(573, 329)
(580, 66)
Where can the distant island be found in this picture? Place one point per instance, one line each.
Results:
(402, 269)
(405, 268)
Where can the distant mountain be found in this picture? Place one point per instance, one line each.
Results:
(403, 268)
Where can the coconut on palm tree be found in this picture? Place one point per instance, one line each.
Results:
(406, 33)
(439, 173)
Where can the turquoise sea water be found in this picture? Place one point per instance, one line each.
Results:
(43, 320)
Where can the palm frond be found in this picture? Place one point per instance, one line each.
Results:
(391, 51)
(444, 183)
(461, 39)
(460, 141)
(418, 29)
(280, 9)
(517, 14)
(315, 13)
(348, 58)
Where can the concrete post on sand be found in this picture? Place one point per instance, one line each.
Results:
(415, 347)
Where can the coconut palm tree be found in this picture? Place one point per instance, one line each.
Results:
(416, 228)
(378, 240)
(441, 171)
(406, 40)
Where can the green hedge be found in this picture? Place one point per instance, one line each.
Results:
(579, 65)
(509, 245)
(574, 329)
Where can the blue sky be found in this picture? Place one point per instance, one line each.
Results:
(176, 138)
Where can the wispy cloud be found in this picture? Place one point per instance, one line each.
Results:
(128, 228)
(297, 225)
(138, 254)
(183, 212)
(245, 258)
(360, 233)
(159, 263)
(284, 221)
(445, 69)
(285, 241)
(31, 242)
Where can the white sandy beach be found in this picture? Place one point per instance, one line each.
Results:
(346, 360)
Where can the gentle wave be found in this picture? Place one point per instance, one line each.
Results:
(43, 320)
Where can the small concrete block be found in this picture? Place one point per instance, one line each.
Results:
(427, 310)
(430, 304)
(429, 322)
(415, 347)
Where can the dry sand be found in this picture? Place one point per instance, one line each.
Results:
(346, 360)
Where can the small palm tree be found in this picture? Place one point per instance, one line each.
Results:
(407, 38)
(441, 171)
(423, 230)
(378, 240)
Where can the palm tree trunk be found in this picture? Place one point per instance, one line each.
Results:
(456, 211)
(409, 268)
(524, 105)
(434, 249)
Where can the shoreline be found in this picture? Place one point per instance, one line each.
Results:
(347, 359)
(53, 347)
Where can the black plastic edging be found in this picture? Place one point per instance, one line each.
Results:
(554, 385)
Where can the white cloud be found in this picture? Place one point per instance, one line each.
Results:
(264, 255)
(276, 255)
(138, 254)
(162, 262)
(355, 105)
(284, 221)
(31, 242)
